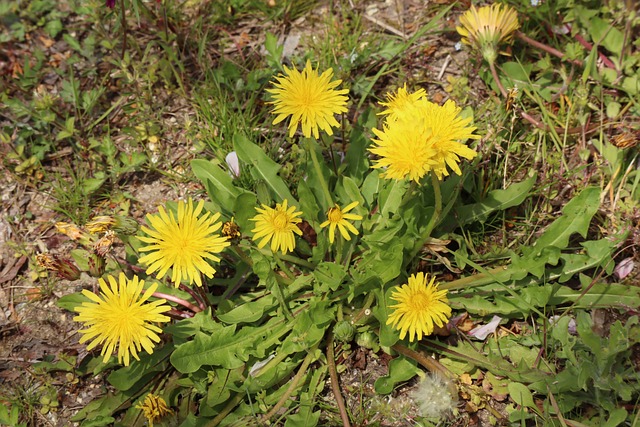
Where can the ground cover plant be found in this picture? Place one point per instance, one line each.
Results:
(320, 213)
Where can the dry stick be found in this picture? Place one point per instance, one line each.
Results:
(292, 386)
(335, 385)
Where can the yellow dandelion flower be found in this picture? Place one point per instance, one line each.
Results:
(337, 217)
(154, 407)
(420, 306)
(183, 244)
(278, 226)
(485, 28)
(310, 99)
(423, 138)
(120, 317)
(398, 102)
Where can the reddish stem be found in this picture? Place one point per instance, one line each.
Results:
(546, 48)
(178, 300)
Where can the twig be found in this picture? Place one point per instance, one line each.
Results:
(335, 385)
(386, 27)
(447, 60)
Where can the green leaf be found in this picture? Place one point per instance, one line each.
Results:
(356, 159)
(263, 168)
(384, 263)
(98, 411)
(71, 301)
(576, 217)
(599, 295)
(308, 203)
(329, 275)
(605, 34)
(391, 196)
(245, 209)
(148, 365)
(349, 191)
(496, 200)
(388, 334)
(521, 394)
(218, 182)
(400, 370)
(616, 417)
(227, 347)
(249, 312)
(371, 186)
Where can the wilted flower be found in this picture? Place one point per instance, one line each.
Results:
(183, 243)
(103, 245)
(485, 28)
(100, 224)
(423, 138)
(73, 232)
(121, 318)
(339, 218)
(64, 267)
(310, 99)
(154, 407)
(231, 230)
(278, 226)
(420, 307)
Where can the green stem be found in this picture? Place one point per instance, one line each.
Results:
(292, 386)
(222, 415)
(433, 220)
(365, 307)
(323, 183)
(278, 291)
(284, 267)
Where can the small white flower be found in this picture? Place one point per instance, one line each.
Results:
(457, 46)
(535, 3)
(233, 163)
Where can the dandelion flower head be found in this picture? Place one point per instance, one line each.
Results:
(185, 243)
(420, 307)
(433, 397)
(154, 407)
(120, 317)
(423, 138)
(485, 28)
(398, 102)
(311, 99)
(337, 217)
(278, 226)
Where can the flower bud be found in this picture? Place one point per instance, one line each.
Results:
(368, 340)
(96, 265)
(344, 331)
